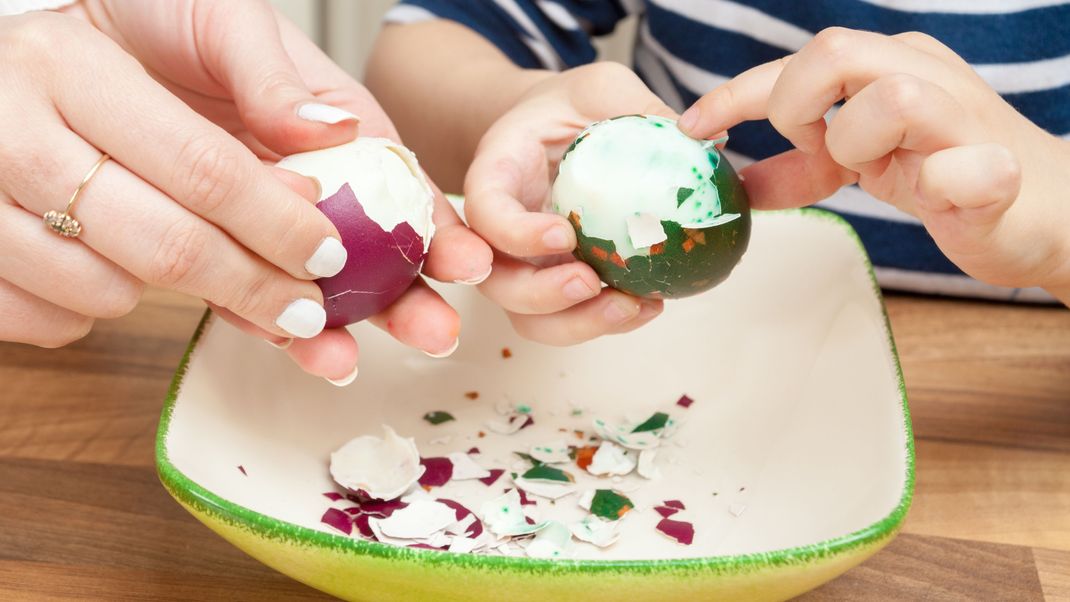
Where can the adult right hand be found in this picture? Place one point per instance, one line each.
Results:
(182, 205)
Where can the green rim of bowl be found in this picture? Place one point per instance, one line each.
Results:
(200, 498)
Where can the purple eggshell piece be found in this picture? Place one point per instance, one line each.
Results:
(381, 265)
(674, 504)
(681, 531)
(438, 472)
(476, 528)
(365, 528)
(382, 508)
(337, 519)
(666, 511)
(495, 474)
(524, 499)
(333, 496)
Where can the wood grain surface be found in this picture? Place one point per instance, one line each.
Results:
(82, 515)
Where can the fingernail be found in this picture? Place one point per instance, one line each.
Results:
(621, 310)
(345, 380)
(304, 318)
(578, 290)
(285, 344)
(478, 279)
(329, 258)
(557, 237)
(321, 113)
(446, 353)
(319, 187)
(688, 120)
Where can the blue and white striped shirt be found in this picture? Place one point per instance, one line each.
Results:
(685, 48)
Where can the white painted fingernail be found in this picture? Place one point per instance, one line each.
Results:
(478, 279)
(345, 380)
(446, 353)
(321, 113)
(285, 344)
(304, 318)
(329, 258)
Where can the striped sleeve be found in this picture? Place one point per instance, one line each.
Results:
(534, 34)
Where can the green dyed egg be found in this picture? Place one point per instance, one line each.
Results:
(657, 214)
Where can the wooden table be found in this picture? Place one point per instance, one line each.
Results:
(83, 516)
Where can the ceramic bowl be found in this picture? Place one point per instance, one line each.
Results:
(800, 418)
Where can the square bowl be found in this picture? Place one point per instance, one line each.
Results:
(796, 457)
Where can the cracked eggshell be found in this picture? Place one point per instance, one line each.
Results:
(375, 193)
(657, 214)
(383, 469)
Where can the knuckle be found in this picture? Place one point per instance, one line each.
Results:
(246, 299)
(523, 326)
(610, 71)
(69, 332)
(37, 36)
(179, 254)
(834, 43)
(209, 174)
(902, 94)
(1006, 170)
(724, 97)
(120, 298)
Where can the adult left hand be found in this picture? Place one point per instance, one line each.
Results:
(254, 74)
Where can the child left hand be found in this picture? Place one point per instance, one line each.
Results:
(920, 130)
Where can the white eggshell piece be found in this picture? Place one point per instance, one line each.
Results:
(420, 519)
(551, 452)
(548, 489)
(383, 468)
(596, 530)
(464, 467)
(553, 541)
(623, 435)
(503, 516)
(646, 467)
(611, 459)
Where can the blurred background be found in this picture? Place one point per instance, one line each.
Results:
(346, 29)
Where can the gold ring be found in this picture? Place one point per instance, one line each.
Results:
(64, 223)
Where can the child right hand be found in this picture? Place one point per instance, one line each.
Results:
(549, 296)
(919, 130)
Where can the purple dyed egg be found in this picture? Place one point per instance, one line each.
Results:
(375, 193)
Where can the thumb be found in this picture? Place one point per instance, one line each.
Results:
(240, 44)
(973, 185)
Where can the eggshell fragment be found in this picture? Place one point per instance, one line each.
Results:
(595, 530)
(380, 468)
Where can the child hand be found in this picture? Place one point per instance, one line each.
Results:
(549, 296)
(919, 130)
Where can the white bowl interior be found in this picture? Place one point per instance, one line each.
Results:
(797, 417)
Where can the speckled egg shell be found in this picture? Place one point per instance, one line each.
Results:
(693, 257)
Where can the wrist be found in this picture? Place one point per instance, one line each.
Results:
(511, 84)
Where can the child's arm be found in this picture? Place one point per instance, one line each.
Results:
(444, 85)
(919, 130)
(458, 100)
